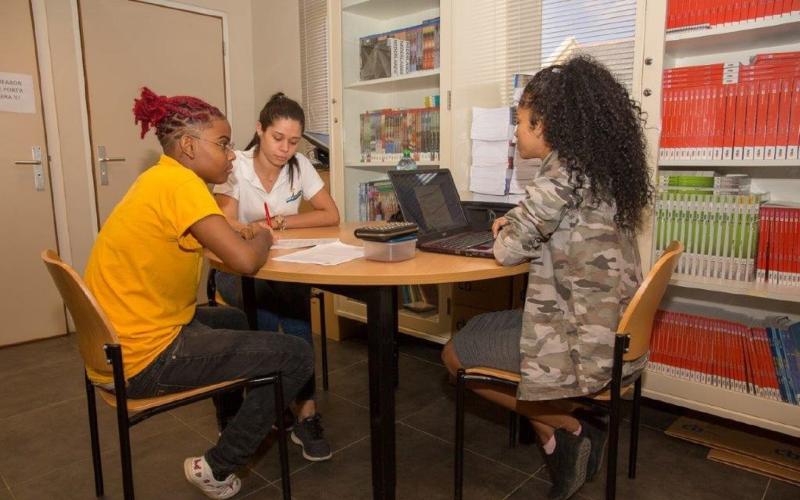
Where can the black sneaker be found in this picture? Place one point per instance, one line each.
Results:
(597, 438)
(288, 421)
(567, 464)
(307, 433)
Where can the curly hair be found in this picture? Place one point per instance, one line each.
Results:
(171, 116)
(591, 121)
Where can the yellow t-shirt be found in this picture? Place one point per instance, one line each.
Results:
(145, 266)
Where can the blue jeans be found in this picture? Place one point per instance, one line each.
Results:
(279, 304)
(217, 346)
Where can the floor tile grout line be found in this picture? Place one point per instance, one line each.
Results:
(427, 361)
(45, 407)
(363, 407)
(348, 400)
(334, 370)
(518, 487)
(468, 450)
(309, 464)
(402, 420)
(766, 488)
(7, 486)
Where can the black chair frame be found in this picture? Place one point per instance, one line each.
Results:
(125, 421)
(614, 409)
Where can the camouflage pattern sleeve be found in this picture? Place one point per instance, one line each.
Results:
(537, 217)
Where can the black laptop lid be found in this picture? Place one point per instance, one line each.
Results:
(429, 198)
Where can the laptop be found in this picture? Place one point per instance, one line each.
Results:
(429, 198)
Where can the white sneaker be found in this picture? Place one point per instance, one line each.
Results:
(199, 474)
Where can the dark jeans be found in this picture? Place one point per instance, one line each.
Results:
(279, 303)
(214, 347)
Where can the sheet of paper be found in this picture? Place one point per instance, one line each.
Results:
(329, 254)
(491, 124)
(282, 244)
(488, 180)
(490, 153)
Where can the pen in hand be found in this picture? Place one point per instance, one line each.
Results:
(266, 213)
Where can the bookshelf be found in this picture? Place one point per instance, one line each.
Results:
(764, 291)
(355, 93)
(734, 42)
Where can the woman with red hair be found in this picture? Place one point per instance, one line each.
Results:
(144, 271)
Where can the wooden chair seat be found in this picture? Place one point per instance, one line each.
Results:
(139, 405)
(484, 371)
(631, 342)
(102, 354)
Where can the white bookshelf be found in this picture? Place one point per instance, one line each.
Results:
(425, 79)
(729, 163)
(350, 21)
(387, 164)
(745, 408)
(734, 37)
(781, 178)
(764, 291)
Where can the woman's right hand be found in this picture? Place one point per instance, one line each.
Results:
(498, 224)
(251, 230)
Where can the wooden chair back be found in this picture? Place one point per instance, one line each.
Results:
(93, 327)
(637, 321)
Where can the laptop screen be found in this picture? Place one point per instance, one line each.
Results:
(429, 198)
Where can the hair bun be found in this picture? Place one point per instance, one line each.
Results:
(149, 109)
(276, 96)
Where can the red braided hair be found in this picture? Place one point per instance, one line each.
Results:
(169, 115)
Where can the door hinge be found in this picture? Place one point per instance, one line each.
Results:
(449, 96)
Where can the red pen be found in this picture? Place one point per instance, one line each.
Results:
(266, 212)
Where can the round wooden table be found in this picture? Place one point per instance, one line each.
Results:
(375, 283)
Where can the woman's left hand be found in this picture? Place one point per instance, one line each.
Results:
(498, 224)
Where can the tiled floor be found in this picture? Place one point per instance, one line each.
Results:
(44, 450)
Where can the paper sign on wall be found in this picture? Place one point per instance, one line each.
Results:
(16, 93)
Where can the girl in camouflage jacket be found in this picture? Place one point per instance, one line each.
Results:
(577, 227)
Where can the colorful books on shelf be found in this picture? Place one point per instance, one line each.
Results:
(385, 133)
(733, 111)
(757, 360)
(719, 230)
(377, 201)
(400, 52)
(778, 260)
(699, 14)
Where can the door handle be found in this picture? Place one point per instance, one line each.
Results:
(38, 169)
(103, 159)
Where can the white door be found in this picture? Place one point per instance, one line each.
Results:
(128, 45)
(30, 306)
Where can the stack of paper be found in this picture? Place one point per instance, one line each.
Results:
(491, 124)
(329, 254)
(488, 180)
(490, 134)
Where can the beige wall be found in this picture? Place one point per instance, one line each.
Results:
(264, 56)
(276, 50)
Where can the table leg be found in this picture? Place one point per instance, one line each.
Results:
(381, 326)
(249, 301)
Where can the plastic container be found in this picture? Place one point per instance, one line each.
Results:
(390, 251)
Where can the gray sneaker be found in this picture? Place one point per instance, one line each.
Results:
(307, 433)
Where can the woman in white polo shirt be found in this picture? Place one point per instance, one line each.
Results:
(271, 171)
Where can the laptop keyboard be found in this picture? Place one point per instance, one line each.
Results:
(465, 240)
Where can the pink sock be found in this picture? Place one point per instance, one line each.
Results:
(550, 445)
(578, 432)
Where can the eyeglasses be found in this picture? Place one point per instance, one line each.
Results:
(225, 147)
